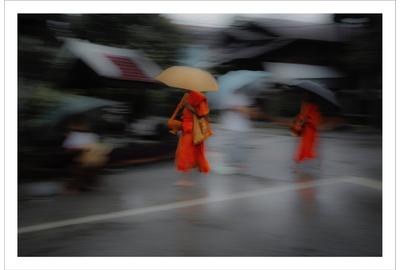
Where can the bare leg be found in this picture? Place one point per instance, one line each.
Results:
(185, 180)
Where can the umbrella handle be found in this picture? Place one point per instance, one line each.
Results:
(180, 105)
(174, 128)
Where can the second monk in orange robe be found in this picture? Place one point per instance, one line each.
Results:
(311, 115)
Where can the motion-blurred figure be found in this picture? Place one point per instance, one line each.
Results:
(193, 126)
(235, 120)
(239, 109)
(190, 154)
(308, 122)
(306, 127)
(87, 154)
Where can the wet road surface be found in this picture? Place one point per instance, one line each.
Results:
(327, 208)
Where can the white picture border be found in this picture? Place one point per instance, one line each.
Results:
(387, 8)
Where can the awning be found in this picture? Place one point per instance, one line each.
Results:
(112, 62)
(129, 69)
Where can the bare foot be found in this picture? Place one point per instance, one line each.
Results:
(184, 183)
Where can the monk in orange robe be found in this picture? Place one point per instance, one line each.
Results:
(310, 114)
(189, 155)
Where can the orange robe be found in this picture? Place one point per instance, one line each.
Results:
(308, 141)
(189, 155)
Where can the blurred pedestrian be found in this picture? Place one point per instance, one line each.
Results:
(87, 154)
(236, 122)
(306, 125)
(190, 153)
(193, 125)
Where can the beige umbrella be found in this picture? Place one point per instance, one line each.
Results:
(188, 78)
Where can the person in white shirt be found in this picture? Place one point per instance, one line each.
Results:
(79, 140)
(83, 145)
(236, 123)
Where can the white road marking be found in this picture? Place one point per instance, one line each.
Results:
(176, 205)
(361, 181)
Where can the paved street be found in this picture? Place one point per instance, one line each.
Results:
(331, 207)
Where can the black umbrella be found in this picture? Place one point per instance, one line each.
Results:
(317, 89)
